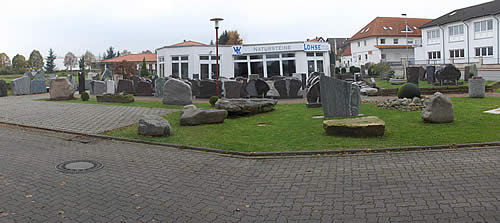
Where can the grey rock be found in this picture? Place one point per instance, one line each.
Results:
(110, 87)
(438, 110)
(61, 89)
(246, 106)
(191, 115)
(208, 88)
(371, 91)
(477, 88)
(154, 125)
(87, 84)
(3, 89)
(339, 98)
(98, 87)
(370, 126)
(232, 89)
(38, 86)
(21, 86)
(257, 88)
(395, 81)
(107, 75)
(177, 92)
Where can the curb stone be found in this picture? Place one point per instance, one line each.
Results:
(283, 154)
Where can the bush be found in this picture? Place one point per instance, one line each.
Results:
(408, 90)
(213, 100)
(343, 70)
(378, 69)
(116, 98)
(84, 96)
(337, 70)
(354, 69)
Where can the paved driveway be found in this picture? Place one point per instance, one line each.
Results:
(144, 183)
(81, 118)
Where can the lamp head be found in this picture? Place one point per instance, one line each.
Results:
(216, 20)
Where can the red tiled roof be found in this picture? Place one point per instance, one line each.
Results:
(393, 27)
(393, 46)
(317, 39)
(347, 51)
(189, 43)
(150, 57)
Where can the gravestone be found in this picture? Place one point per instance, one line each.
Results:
(421, 74)
(126, 86)
(98, 87)
(93, 76)
(313, 90)
(87, 84)
(339, 98)
(257, 88)
(3, 89)
(412, 74)
(38, 86)
(207, 88)
(243, 92)
(61, 89)
(72, 81)
(110, 87)
(272, 93)
(176, 92)
(232, 88)
(448, 75)
(477, 88)
(107, 75)
(288, 88)
(81, 83)
(40, 75)
(136, 79)
(21, 86)
(430, 74)
(195, 88)
(304, 80)
(159, 83)
(144, 88)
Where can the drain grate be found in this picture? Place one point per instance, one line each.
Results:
(79, 166)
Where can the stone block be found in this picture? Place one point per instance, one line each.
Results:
(339, 98)
(438, 110)
(191, 115)
(177, 92)
(38, 86)
(21, 86)
(154, 125)
(370, 126)
(61, 89)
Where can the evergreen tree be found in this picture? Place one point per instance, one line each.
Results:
(110, 53)
(50, 65)
(81, 63)
(224, 38)
(144, 70)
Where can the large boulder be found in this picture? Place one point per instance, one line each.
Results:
(438, 110)
(3, 89)
(154, 125)
(177, 92)
(371, 91)
(21, 86)
(191, 115)
(144, 88)
(126, 86)
(61, 89)
(370, 126)
(246, 106)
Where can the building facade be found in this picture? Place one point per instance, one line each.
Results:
(463, 36)
(385, 39)
(192, 59)
(137, 59)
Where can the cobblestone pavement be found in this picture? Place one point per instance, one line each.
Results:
(81, 118)
(144, 183)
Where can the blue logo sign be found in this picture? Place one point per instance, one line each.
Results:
(312, 47)
(237, 49)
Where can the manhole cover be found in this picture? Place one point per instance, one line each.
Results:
(79, 166)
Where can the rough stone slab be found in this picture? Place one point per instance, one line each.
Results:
(21, 86)
(98, 87)
(126, 86)
(438, 110)
(191, 115)
(246, 106)
(177, 92)
(339, 98)
(232, 89)
(144, 88)
(159, 83)
(154, 125)
(3, 89)
(477, 88)
(370, 126)
(61, 89)
(38, 86)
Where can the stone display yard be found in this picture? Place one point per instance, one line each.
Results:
(81, 118)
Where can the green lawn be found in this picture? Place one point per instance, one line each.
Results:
(291, 128)
(421, 84)
(146, 104)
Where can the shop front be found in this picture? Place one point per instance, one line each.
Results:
(265, 60)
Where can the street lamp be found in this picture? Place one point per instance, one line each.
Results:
(216, 21)
(406, 32)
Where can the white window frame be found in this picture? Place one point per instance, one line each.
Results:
(485, 51)
(433, 36)
(456, 33)
(459, 52)
(483, 29)
(434, 55)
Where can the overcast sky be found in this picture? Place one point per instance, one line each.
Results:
(137, 25)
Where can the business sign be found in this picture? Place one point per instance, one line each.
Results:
(286, 47)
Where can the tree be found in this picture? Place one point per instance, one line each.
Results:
(144, 70)
(147, 51)
(234, 38)
(126, 52)
(36, 60)
(50, 66)
(224, 38)
(118, 54)
(81, 63)
(19, 63)
(125, 68)
(4, 60)
(89, 59)
(211, 42)
(110, 53)
(70, 60)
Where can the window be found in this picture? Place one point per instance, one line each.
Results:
(255, 57)
(483, 26)
(214, 70)
(241, 69)
(161, 59)
(410, 42)
(319, 65)
(288, 67)
(456, 30)
(203, 57)
(310, 66)
(310, 54)
(204, 71)
(433, 34)
(460, 53)
(434, 55)
(319, 54)
(184, 70)
(382, 41)
(184, 58)
(407, 29)
(382, 56)
(273, 68)
(364, 42)
(257, 68)
(175, 58)
(396, 41)
(175, 69)
(366, 56)
(484, 51)
(359, 44)
(215, 57)
(240, 58)
(288, 55)
(271, 56)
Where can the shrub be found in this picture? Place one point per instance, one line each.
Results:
(337, 70)
(343, 70)
(84, 96)
(115, 98)
(378, 69)
(354, 69)
(213, 100)
(408, 90)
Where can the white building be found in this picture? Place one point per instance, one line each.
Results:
(385, 39)
(463, 36)
(189, 58)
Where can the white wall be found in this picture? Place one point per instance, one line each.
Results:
(392, 55)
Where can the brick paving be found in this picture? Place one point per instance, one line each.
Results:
(145, 183)
(80, 118)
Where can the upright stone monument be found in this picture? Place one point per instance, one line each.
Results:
(126, 86)
(159, 83)
(430, 74)
(232, 89)
(81, 82)
(3, 89)
(144, 88)
(110, 87)
(61, 89)
(177, 92)
(413, 74)
(339, 98)
(21, 86)
(98, 88)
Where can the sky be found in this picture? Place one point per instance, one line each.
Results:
(95, 25)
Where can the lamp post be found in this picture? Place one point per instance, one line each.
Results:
(216, 21)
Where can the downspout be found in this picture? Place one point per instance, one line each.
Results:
(468, 48)
(498, 37)
(443, 54)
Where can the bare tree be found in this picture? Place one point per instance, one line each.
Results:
(70, 60)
